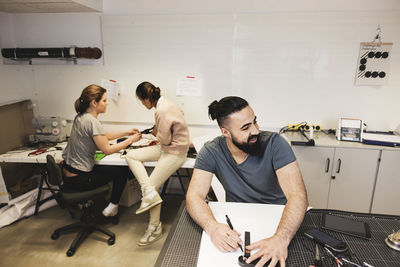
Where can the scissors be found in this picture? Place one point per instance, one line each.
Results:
(147, 131)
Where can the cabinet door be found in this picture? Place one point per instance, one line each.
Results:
(353, 178)
(387, 197)
(315, 164)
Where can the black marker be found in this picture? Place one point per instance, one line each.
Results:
(231, 226)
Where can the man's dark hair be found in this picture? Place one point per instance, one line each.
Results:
(220, 110)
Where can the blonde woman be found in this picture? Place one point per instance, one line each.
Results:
(88, 135)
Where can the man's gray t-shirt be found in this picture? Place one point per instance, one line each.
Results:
(80, 150)
(260, 183)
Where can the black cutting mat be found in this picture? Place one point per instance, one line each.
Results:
(374, 252)
(183, 243)
(182, 248)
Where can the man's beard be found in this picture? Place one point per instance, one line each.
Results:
(253, 149)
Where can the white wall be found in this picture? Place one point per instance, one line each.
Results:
(293, 60)
(242, 7)
(15, 81)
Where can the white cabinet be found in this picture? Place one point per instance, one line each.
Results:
(315, 164)
(387, 196)
(354, 172)
(338, 178)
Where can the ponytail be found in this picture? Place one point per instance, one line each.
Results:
(220, 110)
(147, 90)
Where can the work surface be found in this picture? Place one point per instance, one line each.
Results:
(183, 243)
(22, 156)
(117, 159)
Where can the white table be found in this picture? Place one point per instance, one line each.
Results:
(114, 159)
(261, 220)
(21, 156)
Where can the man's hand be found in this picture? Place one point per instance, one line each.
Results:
(273, 248)
(224, 238)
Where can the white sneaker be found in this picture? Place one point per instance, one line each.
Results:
(150, 199)
(152, 234)
(110, 211)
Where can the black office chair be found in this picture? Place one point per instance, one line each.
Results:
(85, 199)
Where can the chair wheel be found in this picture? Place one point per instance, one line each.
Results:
(111, 241)
(55, 236)
(70, 252)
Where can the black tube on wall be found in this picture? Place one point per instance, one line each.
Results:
(64, 52)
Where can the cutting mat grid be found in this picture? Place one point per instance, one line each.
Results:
(184, 244)
(375, 252)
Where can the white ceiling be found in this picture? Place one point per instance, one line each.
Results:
(53, 6)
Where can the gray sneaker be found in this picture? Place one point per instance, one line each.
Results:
(152, 234)
(150, 199)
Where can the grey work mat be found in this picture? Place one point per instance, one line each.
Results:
(374, 252)
(181, 249)
(183, 243)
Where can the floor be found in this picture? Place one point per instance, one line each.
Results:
(28, 243)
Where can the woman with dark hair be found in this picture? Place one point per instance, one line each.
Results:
(172, 132)
(88, 135)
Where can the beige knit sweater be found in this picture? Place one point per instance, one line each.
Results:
(172, 130)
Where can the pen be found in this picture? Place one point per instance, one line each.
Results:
(231, 226)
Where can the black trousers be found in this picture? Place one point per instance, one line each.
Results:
(100, 175)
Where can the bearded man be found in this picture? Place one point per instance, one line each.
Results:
(253, 166)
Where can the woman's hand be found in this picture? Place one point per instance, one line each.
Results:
(134, 137)
(132, 132)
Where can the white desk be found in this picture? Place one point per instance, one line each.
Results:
(261, 220)
(115, 159)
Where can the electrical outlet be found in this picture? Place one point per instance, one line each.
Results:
(295, 127)
(317, 127)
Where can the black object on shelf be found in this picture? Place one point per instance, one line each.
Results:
(303, 143)
(63, 52)
(309, 142)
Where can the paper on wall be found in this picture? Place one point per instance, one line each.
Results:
(373, 64)
(189, 85)
(112, 87)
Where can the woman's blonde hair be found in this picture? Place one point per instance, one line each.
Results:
(91, 92)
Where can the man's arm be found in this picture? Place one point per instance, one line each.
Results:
(221, 235)
(275, 247)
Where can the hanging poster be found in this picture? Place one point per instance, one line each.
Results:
(112, 87)
(190, 85)
(373, 63)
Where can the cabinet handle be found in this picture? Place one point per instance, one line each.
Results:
(328, 161)
(339, 164)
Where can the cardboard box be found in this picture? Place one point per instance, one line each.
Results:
(131, 194)
(24, 186)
